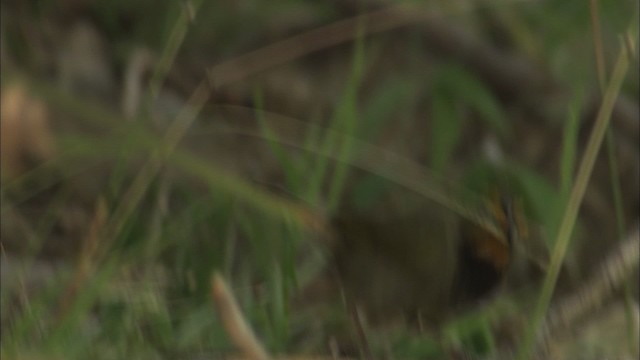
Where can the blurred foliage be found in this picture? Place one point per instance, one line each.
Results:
(148, 291)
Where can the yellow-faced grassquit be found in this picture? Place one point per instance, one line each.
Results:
(422, 259)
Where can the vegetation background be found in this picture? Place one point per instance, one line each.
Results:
(147, 145)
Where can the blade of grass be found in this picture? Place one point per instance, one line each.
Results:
(598, 49)
(568, 154)
(234, 322)
(86, 260)
(278, 308)
(445, 131)
(393, 168)
(170, 51)
(392, 98)
(138, 188)
(346, 119)
(459, 83)
(286, 163)
(577, 193)
(333, 34)
(613, 165)
(84, 300)
(264, 201)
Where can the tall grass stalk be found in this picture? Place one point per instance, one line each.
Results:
(573, 205)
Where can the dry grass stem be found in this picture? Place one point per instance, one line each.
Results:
(234, 322)
(609, 278)
(86, 260)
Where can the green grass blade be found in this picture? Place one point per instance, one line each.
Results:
(571, 212)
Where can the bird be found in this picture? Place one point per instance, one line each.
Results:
(423, 259)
